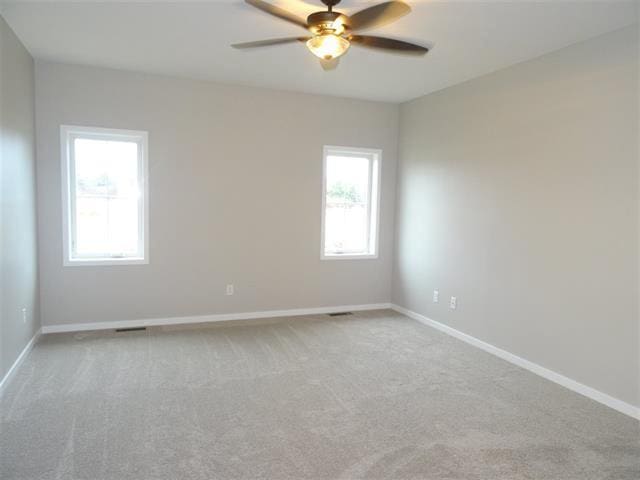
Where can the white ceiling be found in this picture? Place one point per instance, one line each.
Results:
(191, 39)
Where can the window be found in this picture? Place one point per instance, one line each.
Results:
(350, 197)
(104, 196)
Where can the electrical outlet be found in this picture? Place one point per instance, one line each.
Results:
(436, 296)
(230, 289)
(453, 303)
(24, 315)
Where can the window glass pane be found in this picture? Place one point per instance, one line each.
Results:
(346, 215)
(106, 183)
(123, 225)
(92, 222)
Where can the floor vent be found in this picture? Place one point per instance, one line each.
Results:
(132, 329)
(340, 314)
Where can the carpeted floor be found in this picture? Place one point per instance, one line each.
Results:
(373, 395)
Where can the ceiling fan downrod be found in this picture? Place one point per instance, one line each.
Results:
(330, 4)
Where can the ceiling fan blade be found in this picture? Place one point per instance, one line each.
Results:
(277, 12)
(329, 64)
(378, 15)
(267, 43)
(390, 44)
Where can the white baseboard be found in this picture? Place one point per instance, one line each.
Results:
(223, 317)
(555, 377)
(25, 351)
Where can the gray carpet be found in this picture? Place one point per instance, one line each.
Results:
(373, 395)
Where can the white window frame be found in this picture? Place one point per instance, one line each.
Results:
(375, 156)
(68, 133)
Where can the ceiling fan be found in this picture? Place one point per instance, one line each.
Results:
(332, 33)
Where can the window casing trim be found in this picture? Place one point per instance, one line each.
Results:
(68, 133)
(373, 227)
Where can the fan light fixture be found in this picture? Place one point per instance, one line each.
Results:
(328, 46)
(330, 33)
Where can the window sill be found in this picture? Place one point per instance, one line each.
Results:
(93, 262)
(349, 256)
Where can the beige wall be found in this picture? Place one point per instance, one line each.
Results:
(518, 194)
(18, 253)
(235, 178)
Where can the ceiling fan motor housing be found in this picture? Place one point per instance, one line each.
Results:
(325, 22)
